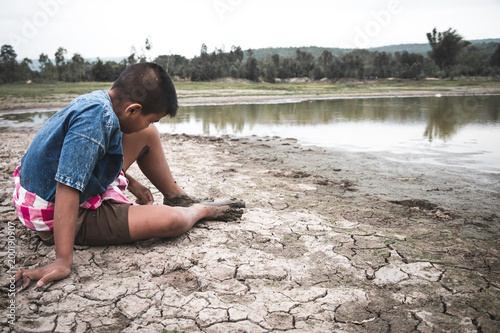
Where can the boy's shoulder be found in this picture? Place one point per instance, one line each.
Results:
(97, 97)
(94, 104)
(92, 110)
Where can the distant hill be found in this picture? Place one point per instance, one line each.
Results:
(485, 45)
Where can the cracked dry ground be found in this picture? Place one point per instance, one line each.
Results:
(307, 256)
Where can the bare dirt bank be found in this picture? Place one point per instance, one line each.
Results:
(330, 242)
(239, 97)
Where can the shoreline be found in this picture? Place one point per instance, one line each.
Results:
(238, 96)
(379, 174)
(273, 99)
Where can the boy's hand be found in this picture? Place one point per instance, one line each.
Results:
(141, 192)
(57, 270)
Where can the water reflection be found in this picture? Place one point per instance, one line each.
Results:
(442, 116)
(449, 114)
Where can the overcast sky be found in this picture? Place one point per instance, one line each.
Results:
(110, 28)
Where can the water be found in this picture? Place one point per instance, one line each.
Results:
(453, 130)
(458, 130)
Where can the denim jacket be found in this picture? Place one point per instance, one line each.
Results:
(80, 146)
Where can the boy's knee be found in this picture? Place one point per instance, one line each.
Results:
(150, 136)
(152, 131)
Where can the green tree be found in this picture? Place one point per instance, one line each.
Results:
(24, 69)
(285, 69)
(324, 66)
(8, 64)
(335, 69)
(148, 45)
(106, 72)
(446, 47)
(76, 68)
(146, 51)
(305, 63)
(47, 70)
(99, 71)
(60, 63)
(430, 68)
(382, 63)
(252, 71)
(203, 50)
(175, 65)
(270, 72)
(276, 60)
(472, 62)
(409, 65)
(325, 59)
(318, 73)
(237, 53)
(7, 54)
(131, 59)
(353, 65)
(415, 71)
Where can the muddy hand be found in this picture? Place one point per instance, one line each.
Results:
(141, 192)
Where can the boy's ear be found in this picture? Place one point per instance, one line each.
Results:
(132, 109)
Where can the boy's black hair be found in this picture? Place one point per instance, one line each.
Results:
(149, 85)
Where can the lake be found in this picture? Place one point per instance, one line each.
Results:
(450, 130)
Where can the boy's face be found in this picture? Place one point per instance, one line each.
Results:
(135, 121)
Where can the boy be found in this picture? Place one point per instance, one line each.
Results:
(68, 184)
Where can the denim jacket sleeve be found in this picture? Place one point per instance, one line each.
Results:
(78, 159)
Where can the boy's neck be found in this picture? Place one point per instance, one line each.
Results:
(114, 102)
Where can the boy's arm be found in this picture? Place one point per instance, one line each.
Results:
(65, 215)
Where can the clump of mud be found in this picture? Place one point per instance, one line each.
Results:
(425, 206)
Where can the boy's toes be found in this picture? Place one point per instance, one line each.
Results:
(232, 214)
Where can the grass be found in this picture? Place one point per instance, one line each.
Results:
(34, 90)
(64, 91)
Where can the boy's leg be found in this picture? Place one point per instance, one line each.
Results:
(115, 223)
(145, 147)
(159, 221)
